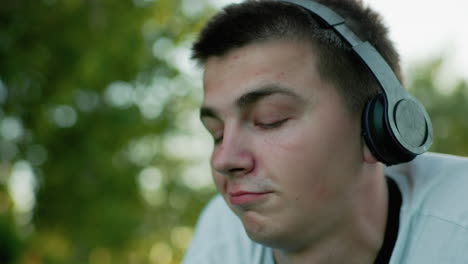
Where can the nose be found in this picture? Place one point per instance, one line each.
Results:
(233, 157)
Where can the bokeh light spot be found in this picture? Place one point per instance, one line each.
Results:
(181, 236)
(151, 98)
(192, 8)
(198, 176)
(150, 181)
(11, 128)
(162, 47)
(22, 186)
(64, 116)
(120, 94)
(150, 178)
(142, 151)
(161, 253)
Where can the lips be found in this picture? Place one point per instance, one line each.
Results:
(244, 197)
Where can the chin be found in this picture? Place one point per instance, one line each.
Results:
(270, 239)
(270, 235)
(260, 230)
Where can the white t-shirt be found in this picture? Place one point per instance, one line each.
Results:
(433, 224)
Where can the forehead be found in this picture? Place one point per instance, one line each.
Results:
(283, 62)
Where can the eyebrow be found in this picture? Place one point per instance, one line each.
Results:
(252, 97)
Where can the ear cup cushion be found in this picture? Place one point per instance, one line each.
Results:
(378, 135)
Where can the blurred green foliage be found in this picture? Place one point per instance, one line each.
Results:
(447, 105)
(96, 117)
(90, 93)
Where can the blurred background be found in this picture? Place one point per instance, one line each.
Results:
(102, 157)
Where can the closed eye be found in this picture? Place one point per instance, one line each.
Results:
(271, 125)
(217, 136)
(217, 140)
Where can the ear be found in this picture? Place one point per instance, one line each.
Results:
(367, 155)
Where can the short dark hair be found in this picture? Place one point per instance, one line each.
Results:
(254, 21)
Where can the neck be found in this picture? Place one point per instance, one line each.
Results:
(359, 236)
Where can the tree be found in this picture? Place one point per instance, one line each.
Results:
(90, 90)
(447, 107)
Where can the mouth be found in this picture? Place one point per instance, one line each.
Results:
(243, 198)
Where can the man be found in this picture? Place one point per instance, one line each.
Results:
(283, 102)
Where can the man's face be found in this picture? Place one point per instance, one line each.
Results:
(287, 151)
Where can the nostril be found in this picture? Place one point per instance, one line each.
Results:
(236, 172)
(236, 169)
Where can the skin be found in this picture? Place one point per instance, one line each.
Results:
(284, 139)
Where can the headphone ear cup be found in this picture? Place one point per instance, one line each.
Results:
(378, 135)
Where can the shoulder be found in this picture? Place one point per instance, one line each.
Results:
(434, 212)
(434, 184)
(220, 238)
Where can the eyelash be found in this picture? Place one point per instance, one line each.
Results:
(271, 125)
(218, 140)
(265, 126)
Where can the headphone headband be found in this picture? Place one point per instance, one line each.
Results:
(408, 129)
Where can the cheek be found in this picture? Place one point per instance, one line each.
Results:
(308, 161)
(295, 160)
(220, 182)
